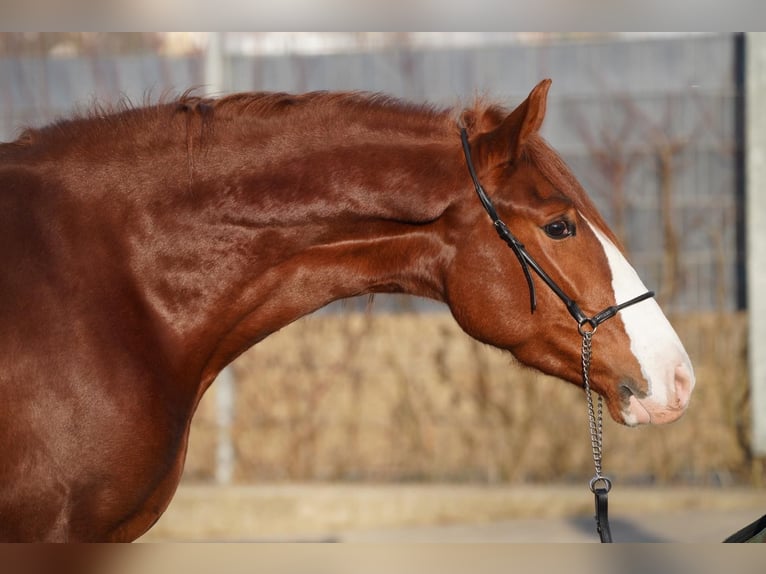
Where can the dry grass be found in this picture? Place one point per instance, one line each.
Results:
(410, 397)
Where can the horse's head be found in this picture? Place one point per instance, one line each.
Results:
(639, 364)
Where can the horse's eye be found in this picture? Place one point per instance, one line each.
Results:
(560, 229)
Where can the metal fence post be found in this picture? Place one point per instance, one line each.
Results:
(755, 223)
(223, 386)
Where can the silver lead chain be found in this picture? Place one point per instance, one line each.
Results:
(595, 416)
(599, 485)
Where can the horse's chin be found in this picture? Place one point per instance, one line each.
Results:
(643, 412)
(635, 414)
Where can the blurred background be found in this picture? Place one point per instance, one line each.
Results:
(391, 391)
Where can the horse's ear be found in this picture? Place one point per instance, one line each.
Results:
(506, 141)
(533, 111)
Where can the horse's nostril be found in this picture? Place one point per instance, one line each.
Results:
(629, 388)
(625, 392)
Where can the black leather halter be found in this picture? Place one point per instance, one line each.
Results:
(600, 485)
(527, 262)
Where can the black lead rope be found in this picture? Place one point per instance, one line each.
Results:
(602, 514)
(599, 485)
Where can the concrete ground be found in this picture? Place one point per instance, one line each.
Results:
(680, 526)
(452, 513)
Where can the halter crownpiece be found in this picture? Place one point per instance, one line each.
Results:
(527, 262)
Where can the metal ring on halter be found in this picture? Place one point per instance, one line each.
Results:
(587, 321)
(596, 479)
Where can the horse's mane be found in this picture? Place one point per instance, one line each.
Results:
(125, 115)
(268, 104)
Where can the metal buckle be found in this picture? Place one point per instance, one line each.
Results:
(600, 479)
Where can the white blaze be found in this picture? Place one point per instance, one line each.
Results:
(653, 341)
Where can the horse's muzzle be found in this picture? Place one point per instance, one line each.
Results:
(654, 408)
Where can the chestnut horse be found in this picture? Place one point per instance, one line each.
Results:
(145, 248)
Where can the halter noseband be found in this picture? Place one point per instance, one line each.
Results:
(527, 262)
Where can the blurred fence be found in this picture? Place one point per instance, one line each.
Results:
(651, 127)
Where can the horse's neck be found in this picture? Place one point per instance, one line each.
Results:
(259, 244)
